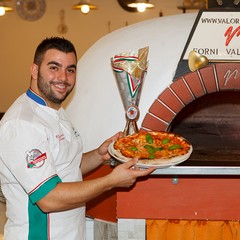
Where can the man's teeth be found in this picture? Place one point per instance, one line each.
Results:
(60, 85)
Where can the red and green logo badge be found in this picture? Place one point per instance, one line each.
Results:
(35, 158)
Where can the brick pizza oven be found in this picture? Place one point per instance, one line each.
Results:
(204, 107)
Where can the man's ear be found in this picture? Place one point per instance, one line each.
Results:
(34, 71)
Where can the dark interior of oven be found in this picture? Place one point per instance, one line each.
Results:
(212, 125)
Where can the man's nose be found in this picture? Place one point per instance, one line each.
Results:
(62, 75)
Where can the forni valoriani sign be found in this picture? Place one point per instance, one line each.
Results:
(216, 35)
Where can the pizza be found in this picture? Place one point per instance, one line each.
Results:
(152, 148)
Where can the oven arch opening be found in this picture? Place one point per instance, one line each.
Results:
(212, 125)
(216, 86)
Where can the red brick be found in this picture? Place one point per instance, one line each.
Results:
(209, 79)
(228, 76)
(168, 98)
(194, 83)
(181, 90)
(153, 123)
(159, 110)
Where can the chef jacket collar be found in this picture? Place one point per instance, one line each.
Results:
(35, 97)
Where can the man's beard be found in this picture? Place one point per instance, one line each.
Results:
(47, 93)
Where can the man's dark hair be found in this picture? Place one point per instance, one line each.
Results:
(57, 43)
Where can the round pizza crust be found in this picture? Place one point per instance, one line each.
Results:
(145, 163)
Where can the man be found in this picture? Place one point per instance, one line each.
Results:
(41, 153)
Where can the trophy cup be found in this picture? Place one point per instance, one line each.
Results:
(130, 72)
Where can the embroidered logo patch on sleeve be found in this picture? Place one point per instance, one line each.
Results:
(35, 158)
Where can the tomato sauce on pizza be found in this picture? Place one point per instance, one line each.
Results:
(152, 147)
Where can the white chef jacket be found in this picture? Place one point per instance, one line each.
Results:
(39, 148)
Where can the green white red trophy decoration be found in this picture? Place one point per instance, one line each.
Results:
(130, 72)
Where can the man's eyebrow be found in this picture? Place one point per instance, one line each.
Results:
(55, 63)
(60, 65)
(72, 66)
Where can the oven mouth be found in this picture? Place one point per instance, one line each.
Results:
(211, 124)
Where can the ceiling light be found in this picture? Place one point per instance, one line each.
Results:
(4, 8)
(84, 6)
(141, 5)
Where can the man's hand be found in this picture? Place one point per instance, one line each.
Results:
(103, 149)
(94, 158)
(124, 175)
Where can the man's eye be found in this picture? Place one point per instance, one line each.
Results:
(72, 70)
(54, 68)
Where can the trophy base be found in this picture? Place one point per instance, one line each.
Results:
(130, 128)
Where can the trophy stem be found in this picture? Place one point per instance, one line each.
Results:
(132, 115)
(130, 128)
